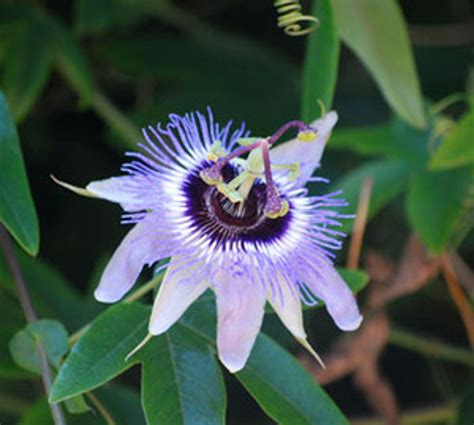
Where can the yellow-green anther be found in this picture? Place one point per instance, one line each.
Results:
(273, 214)
(216, 151)
(306, 136)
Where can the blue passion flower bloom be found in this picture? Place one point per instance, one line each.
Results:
(232, 214)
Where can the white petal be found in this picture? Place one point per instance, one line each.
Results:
(139, 247)
(133, 193)
(180, 288)
(339, 299)
(240, 310)
(307, 154)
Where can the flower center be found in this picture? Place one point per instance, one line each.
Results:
(257, 165)
(222, 220)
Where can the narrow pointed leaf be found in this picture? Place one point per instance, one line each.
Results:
(284, 390)
(321, 62)
(376, 32)
(17, 210)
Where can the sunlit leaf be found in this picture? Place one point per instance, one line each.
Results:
(457, 147)
(321, 62)
(435, 203)
(376, 32)
(17, 210)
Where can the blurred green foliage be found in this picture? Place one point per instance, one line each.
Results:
(79, 79)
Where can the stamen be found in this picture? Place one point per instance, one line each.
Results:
(275, 206)
(212, 175)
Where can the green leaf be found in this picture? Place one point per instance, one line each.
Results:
(436, 202)
(376, 32)
(72, 63)
(94, 16)
(355, 279)
(100, 354)
(97, 16)
(321, 62)
(52, 336)
(182, 382)
(38, 413)
(394, 140)
(390, 177)
(27, 67)
(457, 148)
(122, 404)
(17, 210)
(285, 391)
(77, 405)
(365, 140)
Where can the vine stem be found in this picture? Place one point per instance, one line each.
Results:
(457, 294)
(30, 314)
(360, 223)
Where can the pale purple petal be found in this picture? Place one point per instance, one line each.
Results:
(182, 285)
(133, 193)
(339, 299)
(287, 305)
(240, 310)
(142, 245)
(307, 154)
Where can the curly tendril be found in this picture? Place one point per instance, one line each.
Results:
(292, 20)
